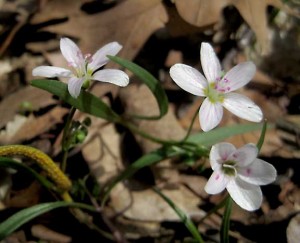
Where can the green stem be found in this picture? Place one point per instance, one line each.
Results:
(224, 234)
(65, 142)
(191, 125)
(184, 144)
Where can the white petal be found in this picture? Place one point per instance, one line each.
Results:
(210, 115)
(216, 183)
(74, 86)
(245, 155)
(242, 107)
(247, 196)
(210, 62)
(219, 153)
(258, 173)
(71, 52)
(51, 72)
(238, 76)
(100, 58)
(113, 76)
(189, 79)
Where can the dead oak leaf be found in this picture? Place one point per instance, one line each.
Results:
(204, 13)
(130, 23)
(24, 128)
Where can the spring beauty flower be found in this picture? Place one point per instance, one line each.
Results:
(217, 88)
(84, 67)
(240, 172)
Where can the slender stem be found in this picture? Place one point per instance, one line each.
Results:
(65, 144)
(224, 234)
(187, 145)
(191, 125)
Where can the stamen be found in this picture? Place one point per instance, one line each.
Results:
(88, 58)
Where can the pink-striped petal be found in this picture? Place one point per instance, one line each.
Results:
(247, 196)
(210, 115)
(189, 79)
(113, 76)
(220, 153)
(71, 53)
(100, 58)
(258, 173)
(242, 107)
(51, 72)
(245, 155)
(74, 86)
(216, 183)
(238, 76)
(210, 62)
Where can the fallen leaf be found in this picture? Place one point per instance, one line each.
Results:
(25, 128)
(43, 233)
(129, 22)
(205, 13)
(10, 106)
(293, 230)
(157, 208)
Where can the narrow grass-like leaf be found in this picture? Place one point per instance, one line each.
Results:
(23, 216)
(85, 102)
(224, 234)
(219, 134)
(10, 163)
(183, 217)
(146, 160)
(262, 136)
(152, 83)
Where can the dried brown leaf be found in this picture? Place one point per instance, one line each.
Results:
(130, 23)
(204, 13)
(11, 105)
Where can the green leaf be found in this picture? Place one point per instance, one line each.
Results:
(152, 83)
(224, 233)
(18, 219)
(262, 136)
(85, 102)
(146, 160)
(221, 133)
(183, 217)
(10, 163)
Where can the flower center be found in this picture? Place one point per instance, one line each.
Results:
(228, 167)
(213, 93)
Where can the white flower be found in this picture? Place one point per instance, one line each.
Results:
(217, 88)
(240, 172)
(84, 67)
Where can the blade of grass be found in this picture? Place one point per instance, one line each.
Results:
(151, 82)
(85, 102)
(25, 215)
(224, 234)
(183, 217)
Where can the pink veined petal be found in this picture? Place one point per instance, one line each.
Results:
(210, 62)
(51, 72)
(216, 183)
(245, 155)
(100, 58)
(219, 153)
(74, 86)
(210, 115)
(238, 76)
(258, 173)
(242, 107)
(113, 76)
(189, 79)
(71, 53)
(247, 196)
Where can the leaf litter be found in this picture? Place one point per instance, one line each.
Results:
(103, 152)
